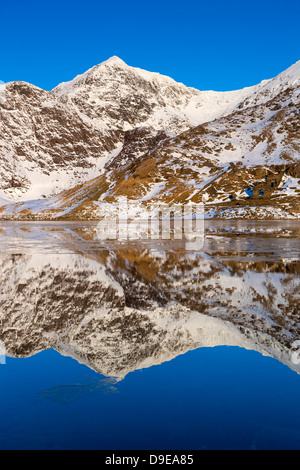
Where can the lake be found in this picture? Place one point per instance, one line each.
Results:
(143, 344)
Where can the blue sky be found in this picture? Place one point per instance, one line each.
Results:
(220, 45)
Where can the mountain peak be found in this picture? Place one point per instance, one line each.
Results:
(113, 60)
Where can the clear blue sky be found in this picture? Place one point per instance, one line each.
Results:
(219, 44)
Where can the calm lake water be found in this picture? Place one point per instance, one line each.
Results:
(145, 345)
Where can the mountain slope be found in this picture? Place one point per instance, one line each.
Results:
(44, 146)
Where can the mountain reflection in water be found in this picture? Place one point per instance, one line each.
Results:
(122, 306)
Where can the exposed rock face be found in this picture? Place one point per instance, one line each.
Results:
(137, 143)
(43, 143)
(120, 131)
(121, 307)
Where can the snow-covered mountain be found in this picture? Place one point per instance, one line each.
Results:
(290, 78)
(114, 95)
(118, 130)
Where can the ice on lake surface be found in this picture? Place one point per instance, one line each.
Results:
(143, 344)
